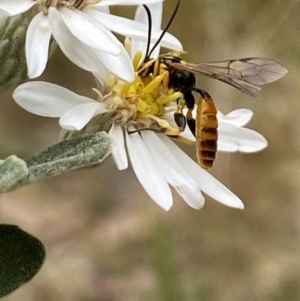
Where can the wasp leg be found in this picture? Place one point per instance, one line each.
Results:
(190, 103)
(147, 68)
(166, 80)
(156, 68)
(206, 130)
(181, 120)
(179, 117)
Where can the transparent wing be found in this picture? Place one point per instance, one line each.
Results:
(247, 75)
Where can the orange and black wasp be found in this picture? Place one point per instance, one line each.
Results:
(246, 75)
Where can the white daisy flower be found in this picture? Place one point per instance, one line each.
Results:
(82, 28)
(156, 160)
(137, 108)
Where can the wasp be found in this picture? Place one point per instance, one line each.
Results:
(246, 75)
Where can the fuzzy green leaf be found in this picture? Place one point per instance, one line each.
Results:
(69, 154)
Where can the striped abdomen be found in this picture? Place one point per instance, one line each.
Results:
(206, 132)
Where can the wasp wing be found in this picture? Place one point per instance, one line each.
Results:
(247, 75)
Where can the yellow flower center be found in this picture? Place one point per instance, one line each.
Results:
(142, 101)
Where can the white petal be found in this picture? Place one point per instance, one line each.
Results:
(118, 148)
(138, 45)
(37, 45)
(120, 65)
(188, 134)
(126, 2)
(171, 108)
(46, 99)
(238, 117)
(173, 171)
(207, 182)
(233, 138)
(133, 29)
(141, 16)
(77, 52)
(147, 172)
(169, 116)
(101, 81)
(226, 146)
(15, 7)
(156, 14)
(104, 9)
(79, 116)
(89, 31)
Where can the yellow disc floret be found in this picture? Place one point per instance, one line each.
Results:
(142, 101)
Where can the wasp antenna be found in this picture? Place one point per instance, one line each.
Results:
(165, 30)
(149, 29)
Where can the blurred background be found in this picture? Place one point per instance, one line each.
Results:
(106, 240)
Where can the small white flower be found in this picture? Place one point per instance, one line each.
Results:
(82, 28)
(156, 160)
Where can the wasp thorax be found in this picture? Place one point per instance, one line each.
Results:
(72, 4)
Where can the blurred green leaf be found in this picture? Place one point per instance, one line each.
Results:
(21, 257)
